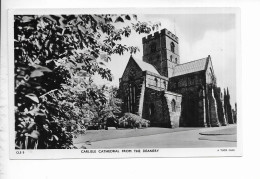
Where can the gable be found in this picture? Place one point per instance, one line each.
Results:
(136, 67)
(210, 75)
(132, 69)
(147, 67)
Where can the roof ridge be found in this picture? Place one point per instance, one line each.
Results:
(144, 66)
(190, 67)
(191, 61)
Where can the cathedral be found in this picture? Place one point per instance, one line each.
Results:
(172, 94)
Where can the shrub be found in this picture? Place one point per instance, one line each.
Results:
(130, 120)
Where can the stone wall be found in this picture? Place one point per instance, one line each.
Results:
(174, 107)
(155, 108)
(193, 113)
(158, 108)
(156, 81)
(190, 107)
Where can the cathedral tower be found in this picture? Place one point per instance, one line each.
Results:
(162, 51)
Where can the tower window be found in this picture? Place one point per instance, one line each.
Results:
(171, 58)
(176, 60)
(153, 47)
(172, 47)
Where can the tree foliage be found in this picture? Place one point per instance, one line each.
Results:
(55, 58)
(111, 108)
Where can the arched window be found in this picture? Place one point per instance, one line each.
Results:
(156, 82)
(172, 47)
(171, 58)
(176, 60)
(173, 105)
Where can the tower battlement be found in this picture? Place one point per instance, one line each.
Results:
(157, 34)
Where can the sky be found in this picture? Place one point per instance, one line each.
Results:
(199, 35)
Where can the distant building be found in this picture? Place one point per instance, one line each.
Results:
(168, 93)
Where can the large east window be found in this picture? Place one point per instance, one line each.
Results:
(131, 98)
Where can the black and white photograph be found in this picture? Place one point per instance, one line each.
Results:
(124, 84)
(129, 89)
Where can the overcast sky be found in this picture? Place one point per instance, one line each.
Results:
(199, 35)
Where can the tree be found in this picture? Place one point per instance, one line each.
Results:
(54, 54)
(112, 106)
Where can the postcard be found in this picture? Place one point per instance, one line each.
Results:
(119, 83)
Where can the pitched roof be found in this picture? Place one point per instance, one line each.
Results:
(190, 67)
(146, 66)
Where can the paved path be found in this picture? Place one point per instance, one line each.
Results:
(98, 135)
(191, 138)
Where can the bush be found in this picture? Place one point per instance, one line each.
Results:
(41, 132)
(130, 120)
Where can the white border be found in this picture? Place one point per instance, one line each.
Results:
(79, 153)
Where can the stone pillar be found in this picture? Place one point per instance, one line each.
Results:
(224, 115)
(235, 113)
(219, 99)
(214, 122)
(202, 108)
(232, 116)
(229, 114)
(207, 109)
